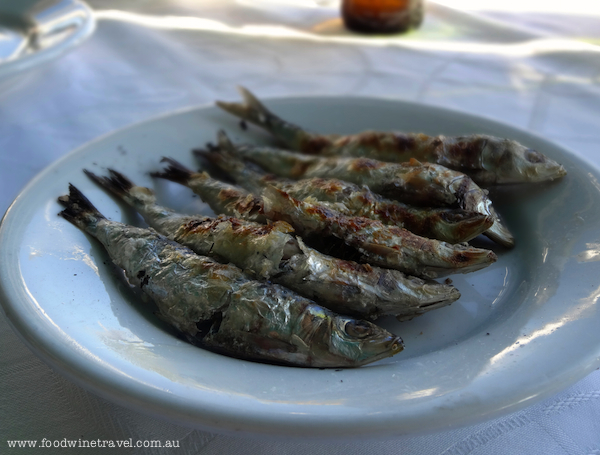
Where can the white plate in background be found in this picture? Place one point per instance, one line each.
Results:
(524, 328)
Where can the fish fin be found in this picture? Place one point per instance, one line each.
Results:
(500, 234)
(175, 172)
(299, 342)
(78, 209)
(224, 142)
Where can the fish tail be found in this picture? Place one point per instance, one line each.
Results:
(251, 109)
(223, 155)
(78, 209)
(139, 197)
(117, 183)
(175, 172)
(255, 112)
(226, 158)
(224, 142)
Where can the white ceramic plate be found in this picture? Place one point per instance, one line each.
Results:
(35, 31)
(524, 328)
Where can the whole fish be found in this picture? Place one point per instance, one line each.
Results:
(220, 308)
(268, 251)
(445, 224)
(486, 159)
(413, 182)
(379, 244)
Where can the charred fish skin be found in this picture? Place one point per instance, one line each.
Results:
(412, 182)
(381, 245)
(222, 197)
(253, 247)
(342, 286)
(486, 159)
(360, 289)
(218, 307)
(445, 224)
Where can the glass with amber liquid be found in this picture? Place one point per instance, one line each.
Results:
(382, 16)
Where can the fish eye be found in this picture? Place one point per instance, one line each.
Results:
(534, 156)
(358, 329)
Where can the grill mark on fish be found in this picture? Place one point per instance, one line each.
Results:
(300, 168)
(207, 326)
(314, 145)
(462, 191)
(230, 193)
(404, 143)
(143, 278)
(247, 205)
(365, 164)
(465, 151)
(213, 224)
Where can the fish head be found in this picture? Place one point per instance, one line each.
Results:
(359, 342)
(511, 162)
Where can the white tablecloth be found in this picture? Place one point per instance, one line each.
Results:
(538, 70)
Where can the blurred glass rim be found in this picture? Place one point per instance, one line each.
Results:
(33, 32)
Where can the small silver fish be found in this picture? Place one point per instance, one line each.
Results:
(379, 244)
(219, 308)
(445, 224)
(486, 159)
(268, 251)
(412, 182)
